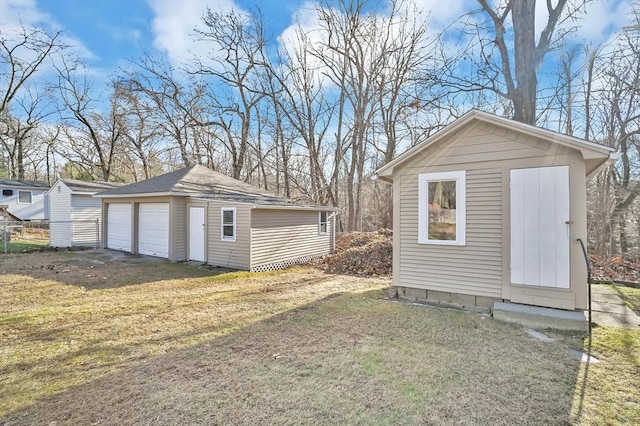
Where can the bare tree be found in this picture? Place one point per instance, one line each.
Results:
(93, 137)
(504, 56)
(22, 104)
(235, 67)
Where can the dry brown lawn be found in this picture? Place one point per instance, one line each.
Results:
(184, 346)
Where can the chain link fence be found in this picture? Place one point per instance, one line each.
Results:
(21, 236)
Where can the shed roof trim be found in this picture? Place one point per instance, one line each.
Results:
(589, 150)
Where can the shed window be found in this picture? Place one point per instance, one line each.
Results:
(24, 197)
(228, 224)
(322, 223)
(442, 208)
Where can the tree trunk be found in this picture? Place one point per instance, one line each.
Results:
(524, 99)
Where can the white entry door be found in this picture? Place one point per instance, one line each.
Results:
(540, 227)
(196, 234)
(119, 226)
(153, 229)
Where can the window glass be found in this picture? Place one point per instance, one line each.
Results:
(228, 224)
(442, 210)
(24, 197)
(322, 226)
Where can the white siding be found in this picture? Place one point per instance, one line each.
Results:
(36, 210)
(285, 235)
(86, 212)
(60, 229)
(229, 254)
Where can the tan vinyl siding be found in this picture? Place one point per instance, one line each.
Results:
(283, 235)
(85, 211)
(473, 269)
(486, 153)
(178, 229)
(229, 254)
(60, 216)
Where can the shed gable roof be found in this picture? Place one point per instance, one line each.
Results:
(595, 155)
(88, 187)
(192, 181)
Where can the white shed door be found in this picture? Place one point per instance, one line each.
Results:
(153, 229)
(119, 227)
(196, 234)
(540, 230)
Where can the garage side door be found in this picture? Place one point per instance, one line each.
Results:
(119, 227)
(153, 229)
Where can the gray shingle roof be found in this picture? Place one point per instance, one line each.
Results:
(89, 186)
(195, 181)
(24, 184)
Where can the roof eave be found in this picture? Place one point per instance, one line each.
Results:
(294, 207)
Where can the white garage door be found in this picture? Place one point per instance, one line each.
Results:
(153, 229)
(119, 227)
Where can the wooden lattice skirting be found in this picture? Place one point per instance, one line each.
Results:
(285, 263)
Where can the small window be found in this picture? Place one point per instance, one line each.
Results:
(322, 223)
(442, 208)
(228, 224)
(24, 197)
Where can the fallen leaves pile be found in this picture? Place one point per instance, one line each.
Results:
(614, 269)
(361, 253)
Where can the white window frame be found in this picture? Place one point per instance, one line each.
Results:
(320, 222)
(222, 224)
(423, 207)
(30, 197)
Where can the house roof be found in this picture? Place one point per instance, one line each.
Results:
(88, 187)
(195, 181)
(24, 184)
(595, 155)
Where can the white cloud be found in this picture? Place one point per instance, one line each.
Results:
(174, 24)
(15, 14)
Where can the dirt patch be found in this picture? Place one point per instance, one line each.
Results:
(98, 269)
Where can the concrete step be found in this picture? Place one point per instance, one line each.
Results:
(539, 318)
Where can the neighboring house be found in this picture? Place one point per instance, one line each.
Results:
(75, 215)
(202, 215)
(490, 209)
(24, 200)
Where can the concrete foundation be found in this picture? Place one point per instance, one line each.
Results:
(539, 318)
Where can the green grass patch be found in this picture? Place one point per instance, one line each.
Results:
(608, 391)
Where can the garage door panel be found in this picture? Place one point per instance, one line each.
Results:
(153, 229)
(119, 227)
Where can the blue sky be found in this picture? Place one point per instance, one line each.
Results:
(106, 32)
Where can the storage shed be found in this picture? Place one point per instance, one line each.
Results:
(490, 209)
(202, 215)
(75, 215)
